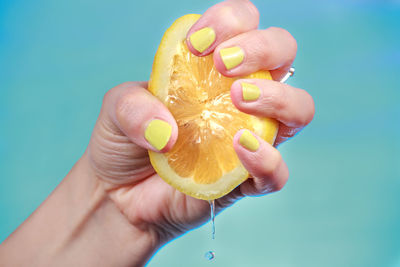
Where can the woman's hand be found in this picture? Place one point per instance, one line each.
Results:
(113, 209)
(118, 148)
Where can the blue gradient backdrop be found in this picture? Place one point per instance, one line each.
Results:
(341, 205)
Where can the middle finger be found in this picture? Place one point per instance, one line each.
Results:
(270, 49)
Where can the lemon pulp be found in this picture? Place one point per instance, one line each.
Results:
(202, 163)
(199, 100)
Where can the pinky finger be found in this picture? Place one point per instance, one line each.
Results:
(268, 171)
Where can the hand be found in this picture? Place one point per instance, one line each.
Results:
(112, 209)
(118, 148)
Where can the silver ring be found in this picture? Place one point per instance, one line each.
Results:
(289, 74)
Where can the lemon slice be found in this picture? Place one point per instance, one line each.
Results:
(202, 163)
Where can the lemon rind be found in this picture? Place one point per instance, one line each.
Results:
(188, 186)
(163, 58)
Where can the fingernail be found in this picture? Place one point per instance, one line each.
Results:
(248, 141)
(231, 56)
(158, 133)
(202, 39)
(250, 92)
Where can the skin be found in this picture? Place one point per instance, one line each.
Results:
(112, 209)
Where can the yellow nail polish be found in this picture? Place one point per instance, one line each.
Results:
(158, 133)
(250, 92)
(202, 39)
(248, 141)
(231, 56)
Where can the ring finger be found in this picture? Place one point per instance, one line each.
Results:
(291, 106)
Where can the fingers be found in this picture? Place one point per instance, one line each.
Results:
(269, 172)
(221, 22)
(270, 49)
(229, 30)
(291, 106)
(140, 116)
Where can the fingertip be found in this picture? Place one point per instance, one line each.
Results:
(145, 120)
(236, 93)
(219, 65)
(191, 48)
(246, 141)
(200, 40)
(250, 158)
(220, 23)
(265, 165)
(245, 96)
(253, 151)
(236, 137)
(161, 133)
(174, 136)
(232, 62)
(236, 146)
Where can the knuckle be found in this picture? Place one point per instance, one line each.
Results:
(234, 23)
(238, 16)
(293, 44)
(252, 10)
(272, 180)
(273, 164)
(309, 111)
(110, 94)
(275, 29)
(278, 31)
(124, 106)
(279, 99)
(279, 181)
(128, 84)
(107, 96)
(262, 46)
(283, 33)
(290, 41)
(278, 186)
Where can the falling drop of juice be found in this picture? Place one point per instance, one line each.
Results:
(210, 255)
(212, 211)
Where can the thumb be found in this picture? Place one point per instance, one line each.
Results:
(143, 118)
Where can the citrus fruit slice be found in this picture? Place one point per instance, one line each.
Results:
(202, 163)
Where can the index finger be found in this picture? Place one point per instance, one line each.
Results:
(220, 23)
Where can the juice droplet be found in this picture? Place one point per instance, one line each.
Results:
(212, 211)
(210, 255)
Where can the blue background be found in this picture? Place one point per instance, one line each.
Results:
(341, 205)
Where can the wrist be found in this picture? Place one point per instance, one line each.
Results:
(79, 225)
(101, 228)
